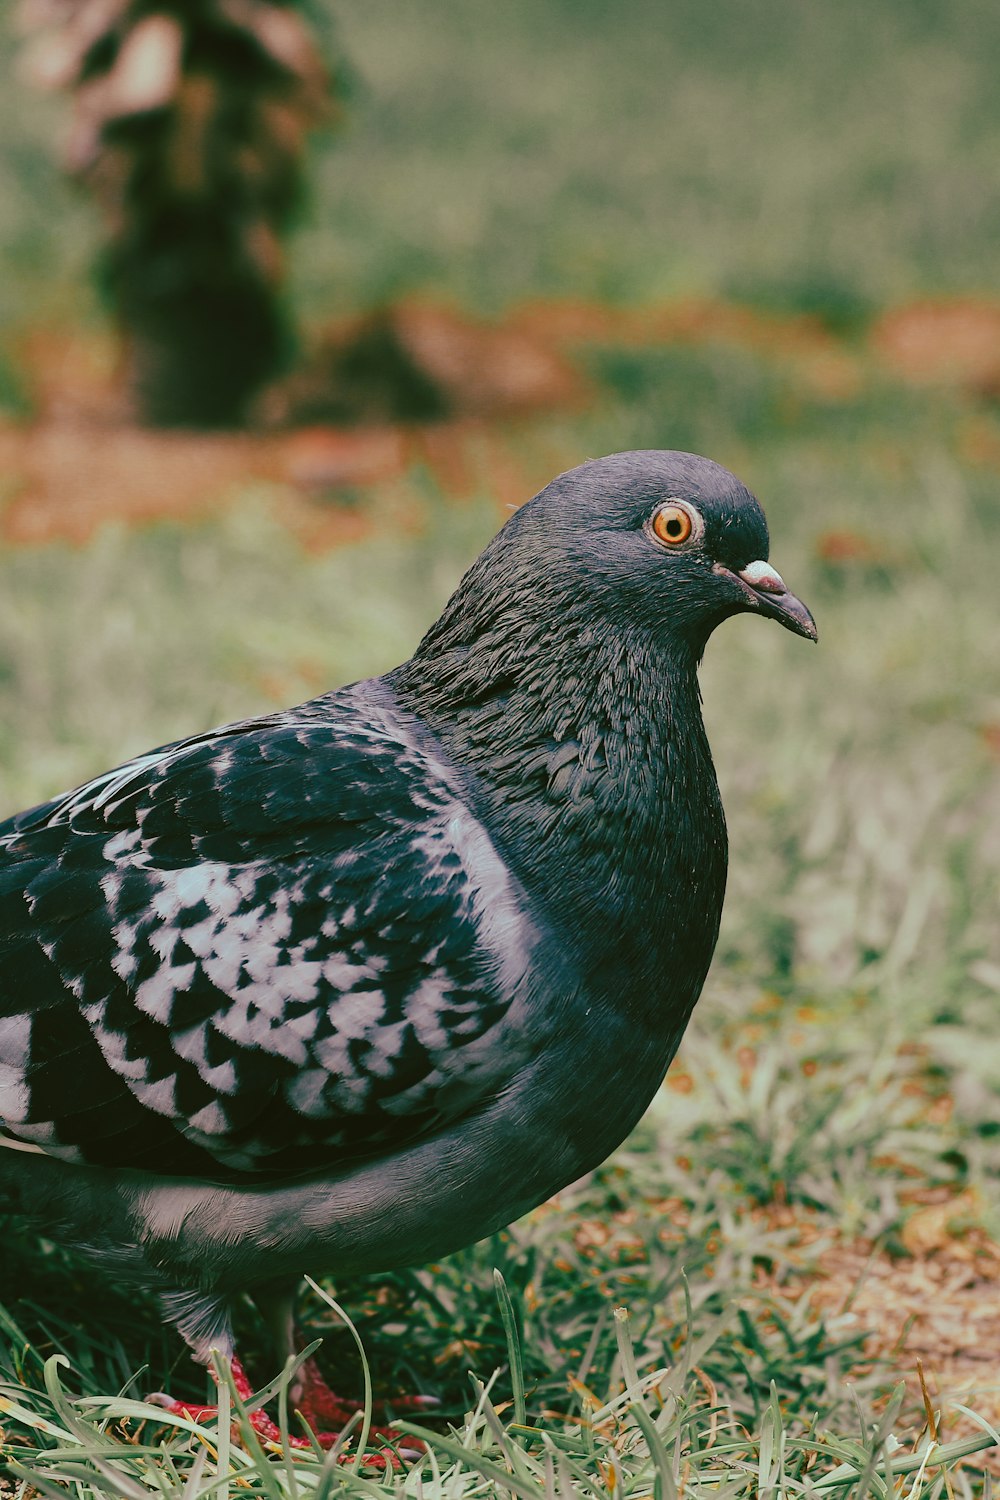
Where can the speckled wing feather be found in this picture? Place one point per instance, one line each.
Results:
(282, 946)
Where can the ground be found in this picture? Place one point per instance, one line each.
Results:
(752, 238)
(820, 1160)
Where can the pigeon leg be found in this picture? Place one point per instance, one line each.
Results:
(310, 1394)
(323, 1408)
(318, 1405)
(259, 1420)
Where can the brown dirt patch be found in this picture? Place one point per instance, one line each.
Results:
(83, 462)
(64, 480)
(946, 343)
(822, 365)
(936, 1308)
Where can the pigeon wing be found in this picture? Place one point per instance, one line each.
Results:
(280, 947)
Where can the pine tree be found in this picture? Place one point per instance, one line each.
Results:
(189, 126)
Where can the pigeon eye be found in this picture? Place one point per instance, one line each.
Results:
(673, 524)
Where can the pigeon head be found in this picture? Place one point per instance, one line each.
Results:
(667, 540)
(563, 674)
(659, 546)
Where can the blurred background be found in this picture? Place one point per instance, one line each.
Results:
(297, 300)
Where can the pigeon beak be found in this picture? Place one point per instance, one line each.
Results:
(766, 588)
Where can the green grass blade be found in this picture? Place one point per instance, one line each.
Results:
(509, 1320)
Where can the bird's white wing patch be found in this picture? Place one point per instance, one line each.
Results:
(297, 937)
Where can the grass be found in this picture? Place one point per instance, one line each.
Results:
(839, 1075)
(831, 1125)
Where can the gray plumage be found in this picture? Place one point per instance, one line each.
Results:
(337, 989)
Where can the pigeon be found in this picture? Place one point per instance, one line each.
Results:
(349, 986)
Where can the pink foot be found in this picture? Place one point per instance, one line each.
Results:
(321, 1408)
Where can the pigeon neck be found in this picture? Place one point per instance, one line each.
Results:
(600, 791)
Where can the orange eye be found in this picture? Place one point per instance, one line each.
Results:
(672, 525)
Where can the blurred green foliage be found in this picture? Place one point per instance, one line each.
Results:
(816, 156)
